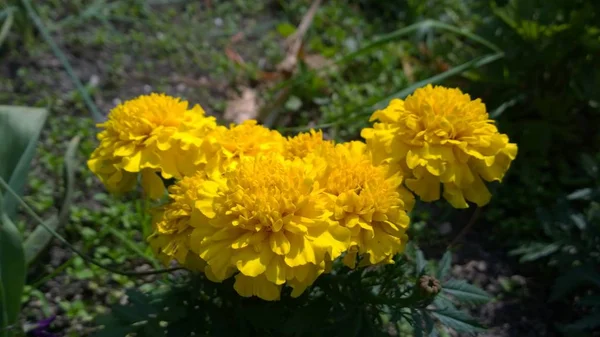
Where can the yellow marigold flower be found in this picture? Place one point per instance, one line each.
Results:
(171, 222)
(304, 144)
(268, 221)
(439, 135)
(230, 145)
(148, 134)
(368, 200)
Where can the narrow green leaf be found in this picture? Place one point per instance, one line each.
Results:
(444, 266)
(37, 21)
(395, 35)
(442, 302)
(540, 252)
(6, 28)
(420, 261)
(475, 63)
(465, 292)
(583, 193)
(418, 323)
(429, 325)
(12, 273)
(458, 320)
(20, 128)
(39, 239)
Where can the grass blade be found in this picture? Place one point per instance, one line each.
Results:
(475, 63)
(37, 21)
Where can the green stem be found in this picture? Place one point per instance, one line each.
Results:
(53, 274)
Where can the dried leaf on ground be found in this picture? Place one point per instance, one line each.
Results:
(242, 107)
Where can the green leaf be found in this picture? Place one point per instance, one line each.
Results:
(442, 302)
(465, 292)
(39, 239)
(293, 103)
(6, 28)
(458, 320)
(475, 63)
(420, 261)
(590, 300)
(395, 35)
(37, 21)
(588, 322)
(583, 193)
(285, 29)
(535, 251)
(429, 324)
(571, 280)
(12, 274)
(20, 129)
(590, 165)
(418, 325)
(444, 265)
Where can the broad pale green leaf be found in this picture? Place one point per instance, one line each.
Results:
(12, 274)
(20, 128)
(465, 292)
(458, 320)
(444, 266)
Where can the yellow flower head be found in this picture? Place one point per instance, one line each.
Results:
(439, 135)
(369, 201)
(232, 144)
(146, 134)
(304, 144)
(268, 221)
(171, 222)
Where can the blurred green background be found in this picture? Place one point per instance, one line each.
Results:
(536, 65)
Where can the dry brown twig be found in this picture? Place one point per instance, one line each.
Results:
(294, 41)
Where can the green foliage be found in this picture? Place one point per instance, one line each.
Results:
(445, 305)
(20, 128)
(12, 275)
(363, 302)
(19, 131)
(541, 94)
(39, 239)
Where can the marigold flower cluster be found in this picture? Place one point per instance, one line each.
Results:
(440, 137)
(271, 211)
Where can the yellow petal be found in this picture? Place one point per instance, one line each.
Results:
(279, 243)
(152, 184)
(455, 196)
(252, 263)
(478, 193)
